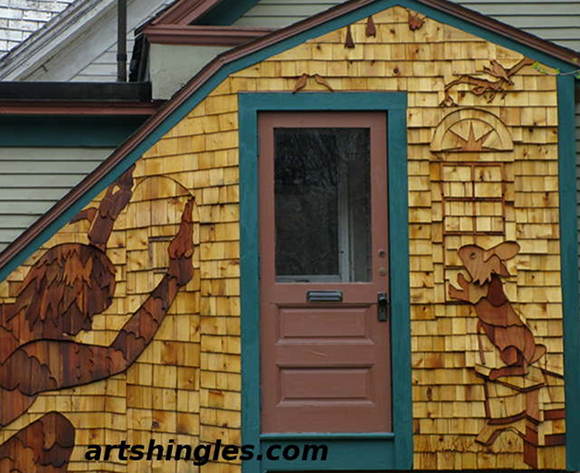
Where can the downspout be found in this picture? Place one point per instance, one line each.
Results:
(122, 40)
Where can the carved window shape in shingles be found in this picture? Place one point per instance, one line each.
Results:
(473, 199)
(152, 217)
(473, 190)
(163, 215)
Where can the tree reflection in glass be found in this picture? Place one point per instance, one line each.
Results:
(322, 189)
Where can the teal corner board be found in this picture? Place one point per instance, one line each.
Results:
(392, 451)
(569, 263)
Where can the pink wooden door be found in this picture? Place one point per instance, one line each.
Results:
(325, 364)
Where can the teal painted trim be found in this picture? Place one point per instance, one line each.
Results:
(569, 262)
(249, 278)
(348, 101)
(347, 452)
(400, 298)
(329, 436)
(60, 131)
(226, 13)
(247, 61)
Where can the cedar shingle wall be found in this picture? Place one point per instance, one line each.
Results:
(187, 383)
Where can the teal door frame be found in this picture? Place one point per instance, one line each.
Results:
(363, 452)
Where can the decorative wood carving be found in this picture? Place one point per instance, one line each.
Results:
(44, 446)
(415, 21)
(116, 199)
(516, 344)
(71, 282)
(349, 40)
(497, 318)
(498, 71)
(371, 28)
(485, 87)
(471, 130)
(60, 295)
(554, 414)
(555, 439)
(322, 81)
(302, 81)
(65, 288)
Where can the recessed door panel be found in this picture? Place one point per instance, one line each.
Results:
(323, 322)
(325, 364)
(321, 384)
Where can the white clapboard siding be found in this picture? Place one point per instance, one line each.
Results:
(32, 180)
(90, 53)
(104, 67)
(280, 13)
(557, 21)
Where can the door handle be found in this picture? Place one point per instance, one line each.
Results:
(384, 306)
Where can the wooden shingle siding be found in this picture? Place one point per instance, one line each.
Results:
(187, 384)
(32, 180)
(557, 21)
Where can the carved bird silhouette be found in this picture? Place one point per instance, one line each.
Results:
(499, 71)
(301, 83)
(322, 81)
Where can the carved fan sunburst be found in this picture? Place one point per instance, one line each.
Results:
(469, 135)
(471, 130)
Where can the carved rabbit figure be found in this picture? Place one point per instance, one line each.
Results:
(497, 318)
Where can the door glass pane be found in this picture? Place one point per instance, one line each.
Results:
(322, 191)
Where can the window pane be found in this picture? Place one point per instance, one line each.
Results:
(322, 188)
